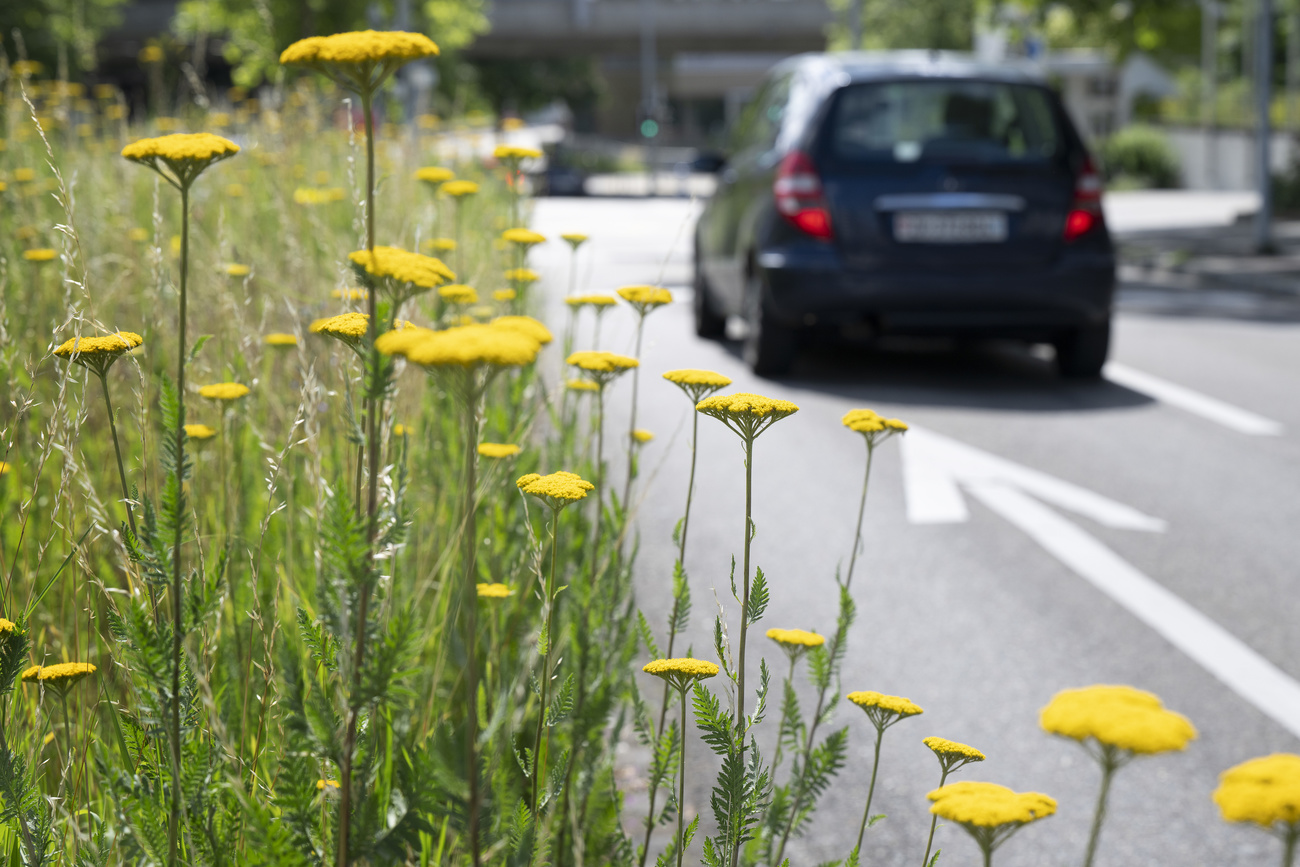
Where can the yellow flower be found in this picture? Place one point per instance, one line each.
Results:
(401, 430)
(600, 302)
(348, 327)
(601, 367)
(321, 785)
(237, 270)
(439, 245)
(514, 153)
(200, 432)
(363, 49)
(435, 175)
(224, 391)
(26, 68)
(98, 353)
(522, 275)
(523, 237)
(63, 675)
(557, 490)
(281, 339)
(185, 155)
(874, 427)
(150, 54)
(796, 638)
(498, 450)
(349, 294)
(681, 672)
(30, 674)
(40, 255)
(645, 298)
(458, 293)
(463, 346)
(746, 414)
(884, 710)
(581, 385)
(138, 234)
(504, 294)
(944, 748)
(314, 196)
(7, 625)
(510, 124)
(460, 189)
(575, 239)
(524, 325)
(642, 436)
(1265, 791)
(24, 176)
(401, 266)
(698, 384)
(494, 591)
(1120, 717)
(235, 191)
(988, 805)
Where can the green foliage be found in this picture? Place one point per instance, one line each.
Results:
(1139, 156)
(51, 26)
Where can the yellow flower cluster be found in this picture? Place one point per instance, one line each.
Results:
(458, 293)
(318, 196)
(866, 421)
(347, 293)
(61, 675)
(184, 147)
(600, 302)
(642, 436)
(944, 748)
(557, 490)
(890, 704)
(434, 175)
(645, 298)
(796, 637)
(498, 450)
(199, 432)
(493, 591)
(510, 153)
(575, 239)
(458, 189)
(41, 254)
(7, 625)
(402, 266)
(1265, 791)
(988, 805)
(525, 325)
(463, 346)
(321, 785)
(107, 345)
(599, 361)
(349, 326)
(690, 376)
(281, 339)
(581, 385)
(523, 237)
(693, 669)
(439, 245)
(504, 294)
(1117, 716)
(744, 404)
(224, 391)
(522, 275)
(236, 270)
(359, 47)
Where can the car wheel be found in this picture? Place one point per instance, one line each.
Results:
(708, 322)
(1081, 354)
(770, 347)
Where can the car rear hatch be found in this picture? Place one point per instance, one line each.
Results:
(936, 174)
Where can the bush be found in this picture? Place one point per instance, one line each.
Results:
(1140, 157)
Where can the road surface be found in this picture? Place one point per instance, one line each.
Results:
(1045, 535)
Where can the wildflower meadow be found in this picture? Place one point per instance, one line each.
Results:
(316, 545)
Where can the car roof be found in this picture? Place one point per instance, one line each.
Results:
(854, 66)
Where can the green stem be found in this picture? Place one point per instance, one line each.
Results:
(780, 727)
(744, 619)
(681, 787)
(690, 488)
(1288, 850)
(631, 427)
(871, 790)
(934, 820)
(539, 758)
(1108, 767)
(862, 508)
(803, 771)
(470, 603)
(600, 483)
(117, 451)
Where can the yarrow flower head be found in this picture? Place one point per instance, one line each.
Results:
(504, 295)
(40, 255)
(522, 276)
(399, 273)
(318, 196)
(498, 450)
(601, 367)
(60, 676)
(598, 301)
(467, 348)
(494, 591)
(575, 239)
(234, 269)
(513, 154)
(681, 672)
(884, 710)
(281, 339)
(1264, 791)
(435, 176)
(557, 490)
(951, 754)
(698, 384)
(642, 436)
(224, 391)
(360, 60)
(181, 157)
(200, 432)
(990, 813)
(99, 353)
(746, 414)
(350, 293)
(524, 325)
(460, 189)
(458, 293)
(350, 328)
(796, 642)
(1118, 718)
(523, 237)
(874, 427)
(581, 385)
(645, 298)
(439, 245)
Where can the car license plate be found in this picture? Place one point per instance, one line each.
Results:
(950, 227)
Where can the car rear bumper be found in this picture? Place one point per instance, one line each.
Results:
(812, 287)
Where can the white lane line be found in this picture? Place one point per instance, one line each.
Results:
(1215, 649)
(1218, 411)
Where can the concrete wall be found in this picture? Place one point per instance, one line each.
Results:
(1225, 159)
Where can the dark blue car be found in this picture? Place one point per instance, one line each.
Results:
(916, 193)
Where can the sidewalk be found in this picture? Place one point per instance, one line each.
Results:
(1201, 241)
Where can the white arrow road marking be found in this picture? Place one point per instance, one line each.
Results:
(1232, 417)
(934, 467)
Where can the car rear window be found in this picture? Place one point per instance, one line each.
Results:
(944, 120)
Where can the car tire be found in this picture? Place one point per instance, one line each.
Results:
(770, 348)
(1081, 353)
(708, 322)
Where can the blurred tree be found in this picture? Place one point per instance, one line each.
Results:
(1166, 29)
(523, 85)
(59, 34)
(937, 24)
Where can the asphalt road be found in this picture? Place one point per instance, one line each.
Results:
(981, 620)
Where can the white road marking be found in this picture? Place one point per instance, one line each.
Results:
(1220, 412)
(936, 468)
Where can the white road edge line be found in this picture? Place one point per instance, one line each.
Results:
(1215, 649)
(1220, 412)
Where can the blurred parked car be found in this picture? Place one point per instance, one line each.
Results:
(916, 193)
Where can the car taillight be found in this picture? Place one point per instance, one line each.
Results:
(1085, 211)
(798, 193)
